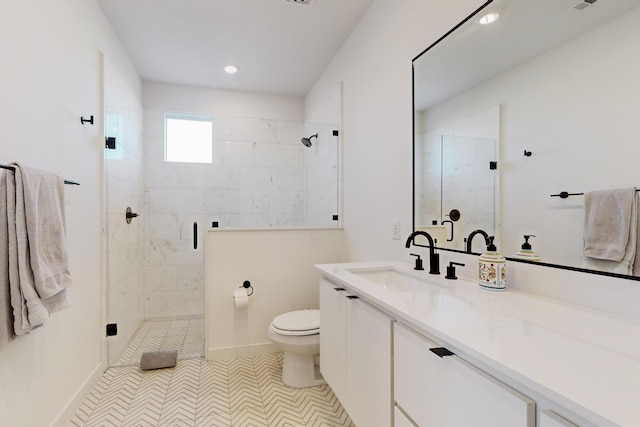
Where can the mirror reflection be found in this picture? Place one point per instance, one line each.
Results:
(553, 86)
(456, 182)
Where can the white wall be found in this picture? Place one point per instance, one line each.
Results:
(51, 76)
(279, 265)
(374, 67)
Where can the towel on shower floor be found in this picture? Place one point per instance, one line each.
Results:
(158, 359)
(607, 223)
(38, 268)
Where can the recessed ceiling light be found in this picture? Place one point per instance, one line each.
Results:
(488, 18)
(231, 69)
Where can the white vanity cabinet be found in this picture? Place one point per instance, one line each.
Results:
(355, 355)
(551, 419)
(400, 419)
(448, 391)
(333, 337)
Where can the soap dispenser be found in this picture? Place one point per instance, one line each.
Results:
(526, 252)
(492, 268)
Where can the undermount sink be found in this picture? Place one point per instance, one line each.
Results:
(390, 278)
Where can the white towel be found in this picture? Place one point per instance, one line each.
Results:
(38, 271)
(44, 213)
(610, 230)
(636, 262)
(6, 314)
(607, 223)
(19, 277)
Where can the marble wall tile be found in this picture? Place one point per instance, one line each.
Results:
(215, 177)
(162, 226)
(245, 129)
(193, 175)
(288, 179)
(160, 278)
(172, 252)
(234, 153)
(259, 177)
(175, 303)
(221, 201)
(174, 200)
(279, 155)
(291, 132)
(161, 175)
(190, 277)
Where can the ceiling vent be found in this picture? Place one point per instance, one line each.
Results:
(584, 4)
(304, 2)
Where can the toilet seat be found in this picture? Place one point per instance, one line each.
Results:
(300, 322)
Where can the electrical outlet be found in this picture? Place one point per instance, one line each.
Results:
(395, 229)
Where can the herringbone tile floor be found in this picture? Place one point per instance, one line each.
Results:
(245, 392)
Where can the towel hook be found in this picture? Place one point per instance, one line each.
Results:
(84, 120)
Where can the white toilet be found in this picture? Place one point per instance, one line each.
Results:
(297, 334)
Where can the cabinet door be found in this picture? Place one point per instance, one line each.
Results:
(400, 420)
(448, 391)
(551, 419)
(333, 338)
(369, 364)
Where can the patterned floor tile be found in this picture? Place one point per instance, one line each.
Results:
(244, 392)
(179, 412)
(146, 415)
(213, 421)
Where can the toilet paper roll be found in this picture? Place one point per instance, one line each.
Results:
(240, 298)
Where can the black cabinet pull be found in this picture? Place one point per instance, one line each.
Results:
(338, 289)
(352, 297)
(441, 352)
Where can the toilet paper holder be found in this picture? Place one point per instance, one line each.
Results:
(247, 285)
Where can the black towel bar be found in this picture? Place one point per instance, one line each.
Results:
(564, 194)
(13, 169)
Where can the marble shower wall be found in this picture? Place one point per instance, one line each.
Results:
(452, 172)
(124, 187)
(261, 176)
(428, 178)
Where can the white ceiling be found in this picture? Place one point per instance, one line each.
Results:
(280, 47)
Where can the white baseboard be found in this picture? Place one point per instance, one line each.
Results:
(243, 351)
(74, 403)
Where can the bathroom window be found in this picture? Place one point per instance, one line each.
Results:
(188, 138)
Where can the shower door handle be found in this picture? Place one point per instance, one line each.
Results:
(195, 235)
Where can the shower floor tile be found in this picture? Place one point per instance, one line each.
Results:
(184, 335)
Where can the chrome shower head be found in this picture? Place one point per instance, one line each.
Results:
(307, 141)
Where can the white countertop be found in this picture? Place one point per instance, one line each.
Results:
(584, 360)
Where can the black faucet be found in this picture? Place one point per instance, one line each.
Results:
(469, 239)
(434, 258)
